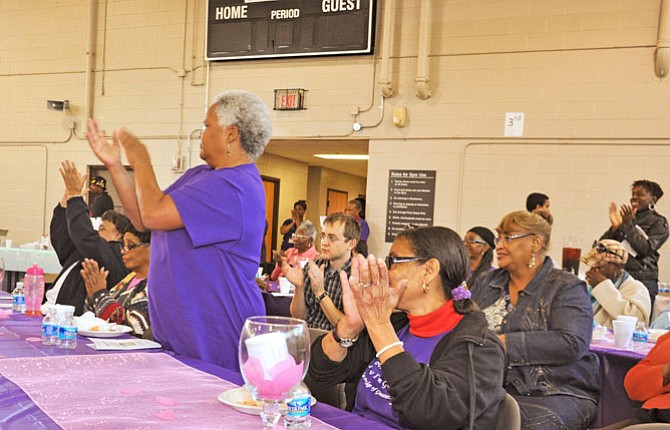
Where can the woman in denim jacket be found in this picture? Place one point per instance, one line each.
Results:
(543, 317)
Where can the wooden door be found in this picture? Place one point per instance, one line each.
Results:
(271, 186)
(337, 201)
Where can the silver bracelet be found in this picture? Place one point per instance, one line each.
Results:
(387, 347)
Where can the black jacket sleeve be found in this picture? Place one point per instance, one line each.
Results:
(60, 237)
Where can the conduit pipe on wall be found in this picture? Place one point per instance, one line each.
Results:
(662, 52)
(90, 62)
(386, 79)
(425, 29)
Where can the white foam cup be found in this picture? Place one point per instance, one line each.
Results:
(623, 333)
(284, 285)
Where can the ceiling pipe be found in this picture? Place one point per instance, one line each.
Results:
(90, 62)
(386, 78)
(425, 29)
(662, 52)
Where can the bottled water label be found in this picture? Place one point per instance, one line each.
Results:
(67, 333)
(49, 330)
(298, 407)
(18, 302)
(640, 336)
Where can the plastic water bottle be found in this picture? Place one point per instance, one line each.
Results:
(33, 290)
(640, 336)
(299, 408)
(49, 326)
(18, 299)
(67, 329)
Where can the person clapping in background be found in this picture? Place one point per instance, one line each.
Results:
(642, 231)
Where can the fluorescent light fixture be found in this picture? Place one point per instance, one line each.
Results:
(343, 156)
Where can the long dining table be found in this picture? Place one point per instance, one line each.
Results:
(44, 387)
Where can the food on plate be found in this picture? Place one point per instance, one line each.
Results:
(249, 402)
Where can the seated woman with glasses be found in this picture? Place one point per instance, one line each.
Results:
(479, 244)
(127, 302)
(543, 317)
(434, 365)
(303, 249)
(613, 291)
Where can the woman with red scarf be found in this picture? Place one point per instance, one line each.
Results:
(433, 365)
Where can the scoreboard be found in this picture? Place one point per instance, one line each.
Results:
(248, 29)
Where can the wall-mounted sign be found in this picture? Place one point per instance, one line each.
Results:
(246, 29)
(289, 99)
(411, 200)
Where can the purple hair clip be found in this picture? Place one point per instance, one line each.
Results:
(460, 293)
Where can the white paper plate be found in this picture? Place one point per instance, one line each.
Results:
(240, 399)
(106, 332)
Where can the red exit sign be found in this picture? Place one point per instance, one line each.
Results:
(290, 99)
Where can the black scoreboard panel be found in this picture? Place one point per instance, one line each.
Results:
(247, 29)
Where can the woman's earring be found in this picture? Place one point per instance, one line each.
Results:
(531, 263)
(228, 151)
(652, 207)
(425, 288)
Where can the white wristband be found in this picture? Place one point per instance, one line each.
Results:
(387, 347)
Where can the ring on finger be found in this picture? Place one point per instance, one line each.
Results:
(364, 286)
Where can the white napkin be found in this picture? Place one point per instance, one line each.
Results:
(88, 320)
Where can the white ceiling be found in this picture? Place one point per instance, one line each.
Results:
(304, 150)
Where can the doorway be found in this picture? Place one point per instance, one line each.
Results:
(336, 201)
(271, 186)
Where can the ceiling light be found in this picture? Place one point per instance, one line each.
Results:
(343, 156)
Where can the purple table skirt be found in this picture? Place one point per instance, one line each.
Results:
(614, 404)
(17, 411)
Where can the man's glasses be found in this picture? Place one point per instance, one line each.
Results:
(391, 260)
(474, 241)
(506, 240)
(299, 236)
(330, 238)
(600, 249)
(132, 246)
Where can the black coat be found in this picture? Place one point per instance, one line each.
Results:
(469, 359)
(73, 239)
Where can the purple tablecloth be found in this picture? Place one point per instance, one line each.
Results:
(614, 404)
(17, 411)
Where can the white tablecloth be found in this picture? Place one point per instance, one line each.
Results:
(18, 260)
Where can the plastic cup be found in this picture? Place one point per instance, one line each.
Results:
(627, 318)
(284, 285)
(8, 243)
(623, 333)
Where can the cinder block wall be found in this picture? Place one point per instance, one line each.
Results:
(596, 116)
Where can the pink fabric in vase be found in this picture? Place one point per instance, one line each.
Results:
(127, 391)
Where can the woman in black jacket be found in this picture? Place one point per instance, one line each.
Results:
(434, 365)
(73, 239)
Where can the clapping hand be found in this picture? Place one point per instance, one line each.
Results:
(135, 151)
(616, 219)
(369, 284)
(627, 213)
(94, 278)
(108, 153)
(74, 182)
(294, 274)
(295, 217)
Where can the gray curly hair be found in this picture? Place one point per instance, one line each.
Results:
(250, 115)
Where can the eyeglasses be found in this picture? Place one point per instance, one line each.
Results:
(391, 260)
(474, 241)
(507, 239)
(132, 246)
(600, 249)
(299, 236)
(331, 238)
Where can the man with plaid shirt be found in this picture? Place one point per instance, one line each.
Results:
(318, 292)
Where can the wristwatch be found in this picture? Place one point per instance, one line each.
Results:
(321, 297)
(344, 343)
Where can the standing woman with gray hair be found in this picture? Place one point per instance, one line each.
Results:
(207, 228)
